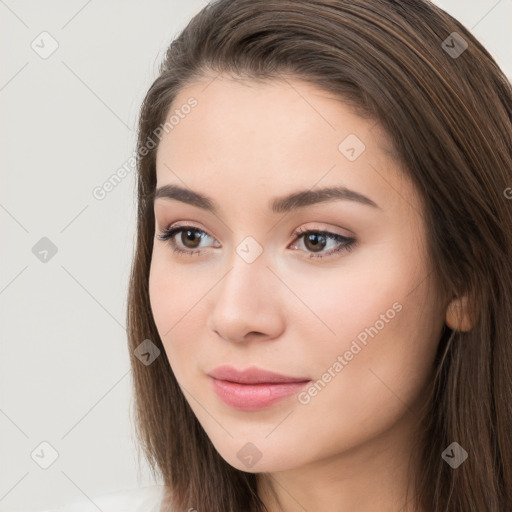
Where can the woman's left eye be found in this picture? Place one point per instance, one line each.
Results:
(319, 239)
(316, 240)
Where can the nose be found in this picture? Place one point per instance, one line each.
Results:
(247, 303)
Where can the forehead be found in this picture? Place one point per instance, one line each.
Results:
(275, 134)
(275, 112)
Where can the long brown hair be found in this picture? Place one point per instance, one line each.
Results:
(447, 108)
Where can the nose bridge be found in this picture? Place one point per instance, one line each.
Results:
(244, 284)
(244, 301)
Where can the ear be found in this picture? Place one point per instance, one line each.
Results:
(458, 316)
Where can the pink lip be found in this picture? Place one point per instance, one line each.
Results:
(253, 388)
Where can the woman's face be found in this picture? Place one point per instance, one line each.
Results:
(360, 324)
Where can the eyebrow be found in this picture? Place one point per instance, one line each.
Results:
(282, 204)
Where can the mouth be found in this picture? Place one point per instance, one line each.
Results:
(253, 388)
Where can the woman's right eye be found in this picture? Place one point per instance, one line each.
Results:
(188, 235)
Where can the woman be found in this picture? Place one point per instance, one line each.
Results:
(398, 102)
(320, 302)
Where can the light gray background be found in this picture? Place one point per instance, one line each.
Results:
(68, 123)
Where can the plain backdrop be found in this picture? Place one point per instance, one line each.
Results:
(73, 75)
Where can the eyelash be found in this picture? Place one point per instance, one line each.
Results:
(348, 243)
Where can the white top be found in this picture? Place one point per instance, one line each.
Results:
(144, 499)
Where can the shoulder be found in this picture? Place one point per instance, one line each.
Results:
(143, 499)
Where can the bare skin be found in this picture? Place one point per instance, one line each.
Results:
(347, 446)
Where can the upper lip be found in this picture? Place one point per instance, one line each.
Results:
(251, 375)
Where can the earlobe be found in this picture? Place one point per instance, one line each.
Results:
(458, 317)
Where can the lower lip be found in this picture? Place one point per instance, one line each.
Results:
(252, 397)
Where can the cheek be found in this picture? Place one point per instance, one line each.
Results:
(382, 354)
(366, 288)
(376, 325)
(375, 383)
(173, 296)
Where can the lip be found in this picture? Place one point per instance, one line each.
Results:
(252, 375)
(253, 389)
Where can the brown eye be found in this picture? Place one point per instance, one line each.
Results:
(189, 238)
(315, 241)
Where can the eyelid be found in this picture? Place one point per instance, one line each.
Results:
(321, 228)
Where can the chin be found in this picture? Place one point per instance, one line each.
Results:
(254, 457)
